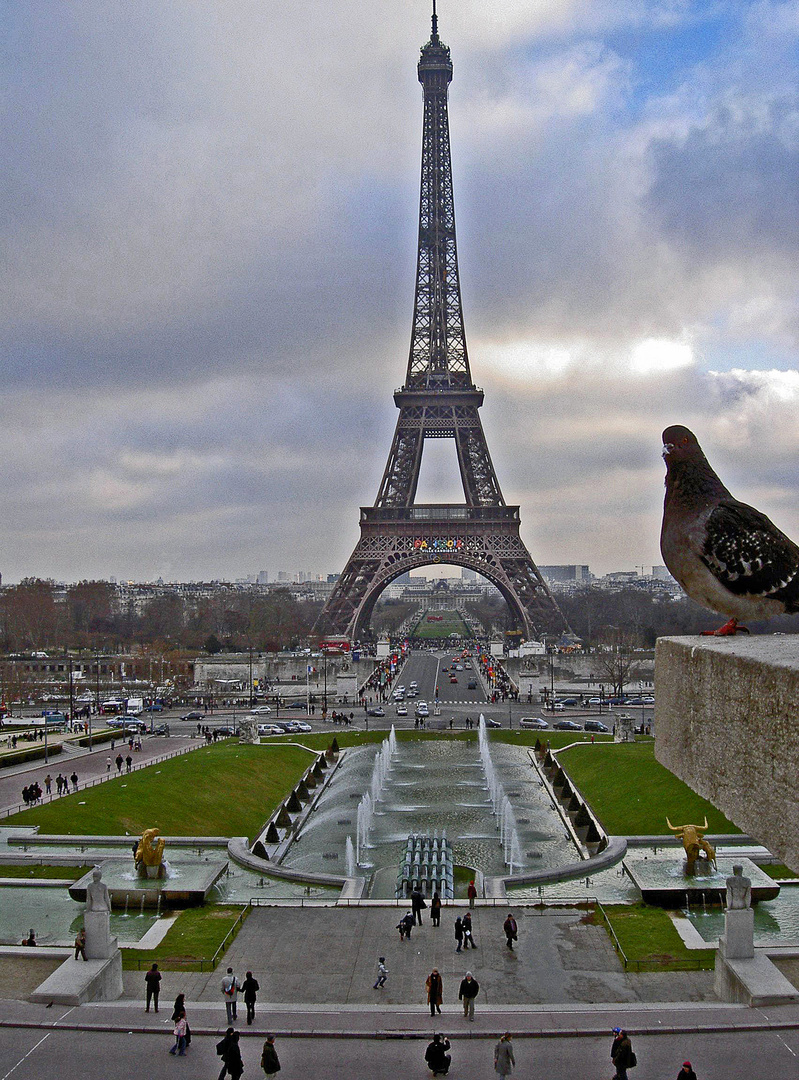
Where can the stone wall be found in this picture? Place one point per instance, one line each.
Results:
(727, 723)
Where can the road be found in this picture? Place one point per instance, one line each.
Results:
(38, 1055)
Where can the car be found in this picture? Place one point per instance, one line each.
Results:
(261, 710)
(459, 667)
(225, 731)
(376, 710)
(402, 710)
(413, 685)
(492, 723)
(556, 706)
(162, 729)
(570, 702)
(155, 707)
(472, 684)
(453, 678)
(270, 729)
(401, 689)
(413, 693)
(283, 726)
(300, 725)
(595, 701)
(128, 723)
(533, 722)
(445, 669)
(567, 725)
(422, 709)
(298, 705)
(595, 725)
(193, 716)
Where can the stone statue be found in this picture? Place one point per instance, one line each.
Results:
(149, 855)
(97, 898)
(739, 890)
(694, 843)
(248, 730)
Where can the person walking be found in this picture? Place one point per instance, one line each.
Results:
(80, 945)
(74, 779)
(686, 1072)
(229, 1050)
(119, 763)
(471, 892)
(382, 973)
(409, 924)
(511, 930)
(469, 989)
(504, 1061)
(468, 939)
(435, 910)
(230, 991)
(249, 990)
(435, 991)
(48, 784)
(180, 1007)
(269, 1059)
(417, 906)
(181, 1027)
(624, 1057)
(459, 933)
(152, 984)
(108, 764)
(436, 1056)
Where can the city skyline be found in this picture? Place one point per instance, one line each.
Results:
(210, 227)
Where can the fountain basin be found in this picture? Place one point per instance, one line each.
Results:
(663, 881)
(187, 884)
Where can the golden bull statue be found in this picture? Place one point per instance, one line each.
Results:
(149, 855)
(694, 843)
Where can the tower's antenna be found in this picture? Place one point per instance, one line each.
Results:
(435, 22)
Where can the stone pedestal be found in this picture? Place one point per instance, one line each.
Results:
(738, 940)
(99, 943)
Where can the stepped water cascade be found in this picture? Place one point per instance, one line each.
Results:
(350, 856)
(367, 805)
(366, 815)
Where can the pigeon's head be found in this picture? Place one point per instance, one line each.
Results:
(680, 444)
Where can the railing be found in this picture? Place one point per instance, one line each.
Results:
(201, 964)
(403, 902)
(8, 811)
(231, 934)
(647, 965)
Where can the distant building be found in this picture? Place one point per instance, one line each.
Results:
(569, 572)
(263, 577)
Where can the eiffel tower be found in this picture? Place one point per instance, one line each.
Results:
(439, 401)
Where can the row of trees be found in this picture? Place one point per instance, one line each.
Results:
(37, 615)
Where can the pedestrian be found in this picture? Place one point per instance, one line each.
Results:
(382, 973)
(269, 1059)
(469, 989)
(119, 762)
(511, 930)
(436, 1056)
(624, 1057)
(31, 938)
(59, 783)
(152, 983)
(504, 1061)
(435, 909)
(180, 1036)
(435, 991)
(249, 989)
(230, 991)
(471, 892)
(74, 779)
(417, 905)
(180, 1007)
(108, 764)
(128, 763)
(80, 945)
(48, 783)
(228, 1049)
(686, 1072)
(459, 933)
(468, 939)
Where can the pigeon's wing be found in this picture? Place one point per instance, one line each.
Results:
(749, 555)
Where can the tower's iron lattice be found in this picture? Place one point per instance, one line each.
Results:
(439, 401)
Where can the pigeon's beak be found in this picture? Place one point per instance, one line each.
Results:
(667, 449)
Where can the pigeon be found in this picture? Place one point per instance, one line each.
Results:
(727, 556)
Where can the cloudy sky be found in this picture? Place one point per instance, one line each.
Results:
(208, 229)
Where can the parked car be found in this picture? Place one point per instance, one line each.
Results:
(492, 723)
(569, 702)
(301, 725)
(193, 716)
(567, 725)
(533, 722)
(155, 707)
(298, 705)
(402, 710)
(270, 729)
(595, 725)
(162, 729)
(261, 710)
(226, 730)
(376, 710)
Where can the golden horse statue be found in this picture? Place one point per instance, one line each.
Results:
(693, 840)
(149, 854)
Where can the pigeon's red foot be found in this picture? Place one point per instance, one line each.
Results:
(729, 629)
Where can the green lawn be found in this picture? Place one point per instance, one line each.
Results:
(195, 935)
(632, 794)
(451, 623)
(650, 940)
(64, 873)
(223, 790)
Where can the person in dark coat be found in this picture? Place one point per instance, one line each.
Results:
(468, 991)
(409, 924)
(459, 933)
(436, 1056)
(511, 930)
(230, 1052)
(269, 1059)
(249, 989)
(435, 910)
(152, 984)
(180, 1008)
(624, 1057)
(417, 905)
(686, 1072)
(467, 931)
(435, 991)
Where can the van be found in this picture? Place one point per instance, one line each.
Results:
(595, 725)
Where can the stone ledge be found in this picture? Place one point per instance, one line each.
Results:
(79, 981)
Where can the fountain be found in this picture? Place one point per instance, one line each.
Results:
(363, 825)
(351, 863)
